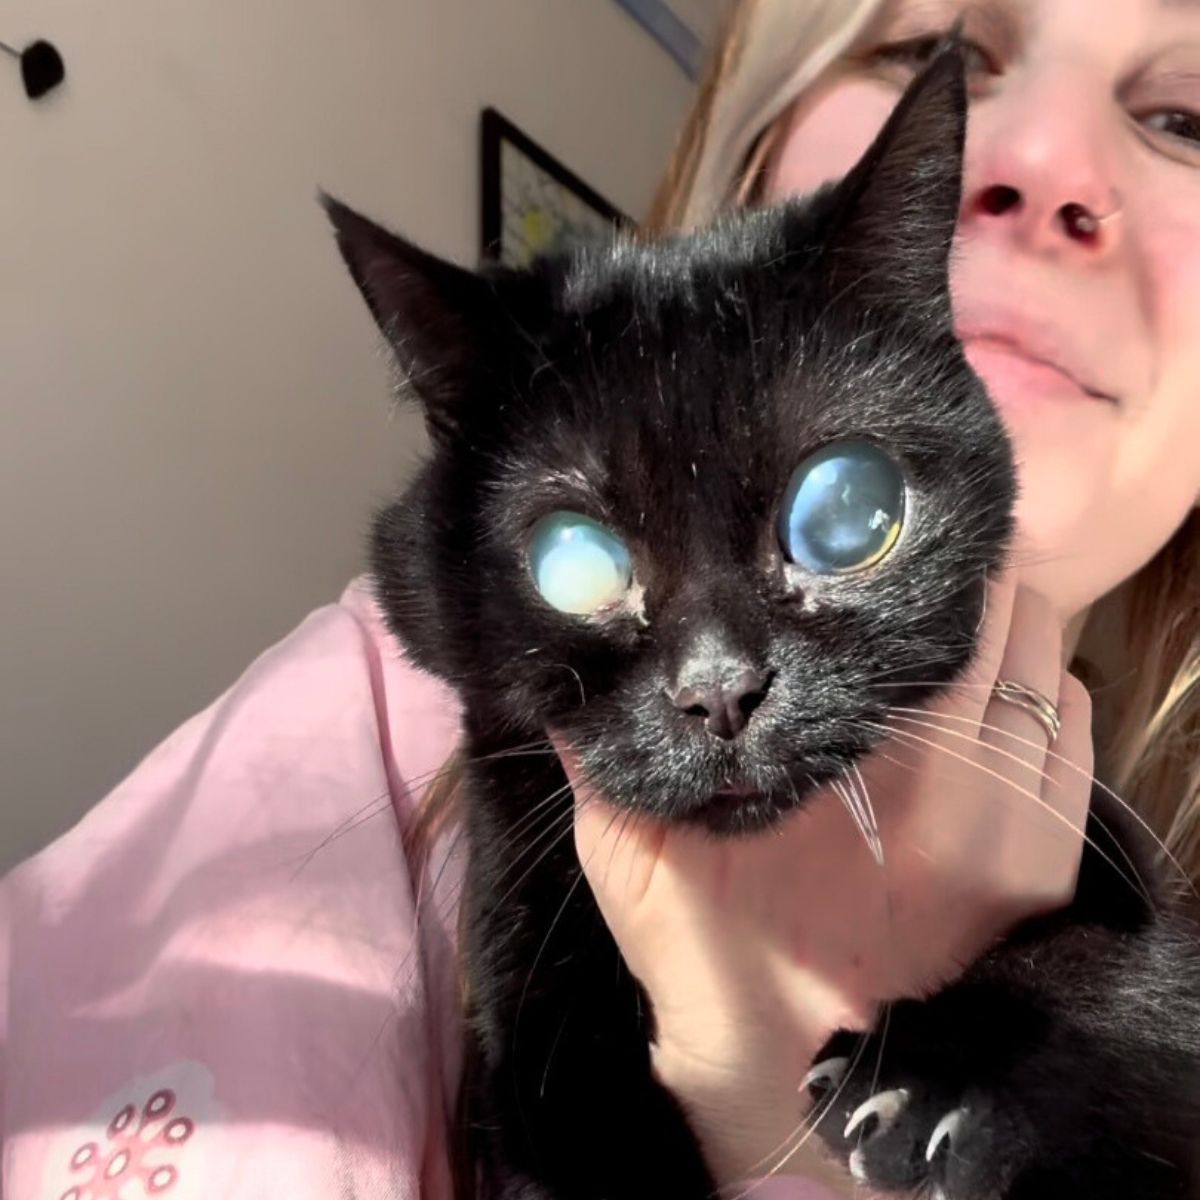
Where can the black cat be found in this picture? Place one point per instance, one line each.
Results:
(690, 502)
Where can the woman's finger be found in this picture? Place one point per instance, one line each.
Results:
(969, 697)
(1032, 659)
(1068, 788)
(1036, 834)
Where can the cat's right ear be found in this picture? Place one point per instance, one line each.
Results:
(895, 212)
(437, 317)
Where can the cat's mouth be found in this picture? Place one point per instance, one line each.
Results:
(742, 808)
(737, 791)
(737, 810)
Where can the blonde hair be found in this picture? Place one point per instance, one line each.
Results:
(768, 53)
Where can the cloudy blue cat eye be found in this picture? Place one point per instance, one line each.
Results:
(843, 509)
(579, 566)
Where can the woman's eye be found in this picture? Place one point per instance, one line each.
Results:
(914, 53)
(578, 566)
(843, 509)
(1175, 123)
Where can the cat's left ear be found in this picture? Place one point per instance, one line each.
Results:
(438, 318)
(896, 211)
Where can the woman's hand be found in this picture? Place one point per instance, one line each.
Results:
(755, 951)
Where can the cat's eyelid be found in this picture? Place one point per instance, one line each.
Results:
(567, 488)
(572, 479)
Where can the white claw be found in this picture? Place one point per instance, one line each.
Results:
(947, 1129)
(887, 1106)
(832, 1071)
(858, 1167)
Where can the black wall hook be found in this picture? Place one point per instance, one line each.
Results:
(42, 68)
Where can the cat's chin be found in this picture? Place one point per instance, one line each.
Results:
(742, 811)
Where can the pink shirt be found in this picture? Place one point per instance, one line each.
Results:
(222, 983)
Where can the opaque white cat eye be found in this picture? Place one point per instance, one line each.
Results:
(579, 566)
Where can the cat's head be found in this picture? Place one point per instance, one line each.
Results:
(708, 505)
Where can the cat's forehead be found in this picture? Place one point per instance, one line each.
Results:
(711, 339)
(670, 415)
(690, 269)
(693, 373)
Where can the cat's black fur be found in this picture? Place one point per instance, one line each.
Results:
(669, 389)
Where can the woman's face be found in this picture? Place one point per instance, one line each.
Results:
(1077, 281)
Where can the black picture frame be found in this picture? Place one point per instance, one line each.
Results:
(565, 205)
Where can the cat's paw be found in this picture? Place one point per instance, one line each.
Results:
(897, 1130)
(960, 1103)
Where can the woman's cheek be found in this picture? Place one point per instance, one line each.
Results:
(827, 132)
(1163, 451)
(1169, 245)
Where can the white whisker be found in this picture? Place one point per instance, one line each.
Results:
(1136, 885)
(1051, 753)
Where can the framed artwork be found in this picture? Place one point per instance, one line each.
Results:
(531, 203)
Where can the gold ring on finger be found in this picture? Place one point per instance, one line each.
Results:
(1033, 702)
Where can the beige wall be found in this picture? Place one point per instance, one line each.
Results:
(703, 17)
(192, 403)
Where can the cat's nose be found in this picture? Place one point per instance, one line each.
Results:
(725, 703)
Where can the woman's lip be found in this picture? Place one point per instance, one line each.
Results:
(1012, 347)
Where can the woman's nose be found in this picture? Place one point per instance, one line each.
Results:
(1040, 165)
